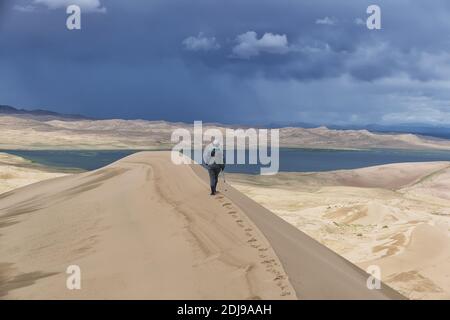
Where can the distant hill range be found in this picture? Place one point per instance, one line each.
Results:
(414, 128)
(42, 129)
(39, 113)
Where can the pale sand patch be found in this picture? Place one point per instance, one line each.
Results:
(422, 270)
(370, 214)
(139, 228)
(17, 172)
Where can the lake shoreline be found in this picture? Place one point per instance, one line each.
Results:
(290, 159)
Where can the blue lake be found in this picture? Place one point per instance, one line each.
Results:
(299, 160)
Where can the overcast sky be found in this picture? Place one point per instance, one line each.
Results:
(232, 61)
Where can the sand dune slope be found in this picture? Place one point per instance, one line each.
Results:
(314, 271)
(396, 216)
(139, 228)
(145, 228)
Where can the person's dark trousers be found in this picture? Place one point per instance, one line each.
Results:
(213, 171)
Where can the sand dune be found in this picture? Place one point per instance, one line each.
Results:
(140, 228)
(396, 216)
(145, 228)
(391, 176)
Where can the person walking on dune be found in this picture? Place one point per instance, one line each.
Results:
(215, 162)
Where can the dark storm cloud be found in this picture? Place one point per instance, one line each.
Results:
(229, 61)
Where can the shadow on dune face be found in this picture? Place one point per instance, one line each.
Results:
(10, 279)
(10, 214)
(7, 194)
